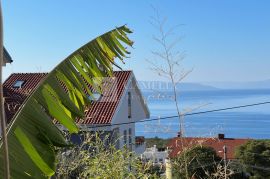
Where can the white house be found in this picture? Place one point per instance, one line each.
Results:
(115, 110)
(156, 156)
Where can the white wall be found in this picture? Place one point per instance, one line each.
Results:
(137, 112)
(139, 149)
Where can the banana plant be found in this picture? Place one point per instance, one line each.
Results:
(33, 137)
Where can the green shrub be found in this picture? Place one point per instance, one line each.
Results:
(95, 158)
(196, 162)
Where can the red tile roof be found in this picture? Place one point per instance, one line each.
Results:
(177, 145)
(100, 112)
(14, 97)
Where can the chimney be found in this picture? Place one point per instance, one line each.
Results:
(221, 136)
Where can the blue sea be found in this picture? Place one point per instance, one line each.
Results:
(249, 122)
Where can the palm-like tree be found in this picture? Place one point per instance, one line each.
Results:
(62, 95)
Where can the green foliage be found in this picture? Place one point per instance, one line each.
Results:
(200, 162)
(255, 156)
(62, 95)
(235, 170)
(159, 142)
(96, 159)
(155, 171)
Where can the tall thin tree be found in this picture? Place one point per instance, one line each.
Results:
(168, 64)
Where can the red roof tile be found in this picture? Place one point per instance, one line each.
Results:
(100, 112)
(177, 145)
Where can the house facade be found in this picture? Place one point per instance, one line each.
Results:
(115, 110)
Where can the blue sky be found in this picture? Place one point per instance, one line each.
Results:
(224, 40)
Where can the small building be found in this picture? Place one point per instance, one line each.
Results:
(114, 112)
(155, 155)
(177, 145)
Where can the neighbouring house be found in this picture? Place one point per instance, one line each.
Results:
(120, 102)
(177, 144)
(6, 57)
(155, 155)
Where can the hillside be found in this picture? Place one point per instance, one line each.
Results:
(265, 84)
(160, 85)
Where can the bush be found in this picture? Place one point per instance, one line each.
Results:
(196, 162)
(254, 156)
(94, 158)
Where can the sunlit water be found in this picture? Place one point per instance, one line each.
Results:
(249, 122)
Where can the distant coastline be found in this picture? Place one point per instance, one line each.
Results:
(167, 86)
(204, 86)
(264, 84)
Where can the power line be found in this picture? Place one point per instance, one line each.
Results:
(187, 114)
(224, 109)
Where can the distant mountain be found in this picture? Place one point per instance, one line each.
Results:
(206, 86)
(160, 85)
(241, 85)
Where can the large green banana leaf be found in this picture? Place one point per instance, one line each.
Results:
(62, 95)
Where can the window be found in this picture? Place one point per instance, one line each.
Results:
(115, 138)
(130, 136)
(18, 83)
(125, 137)
(129, 105)
(95, 96)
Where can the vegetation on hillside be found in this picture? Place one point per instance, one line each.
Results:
(159, 142)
